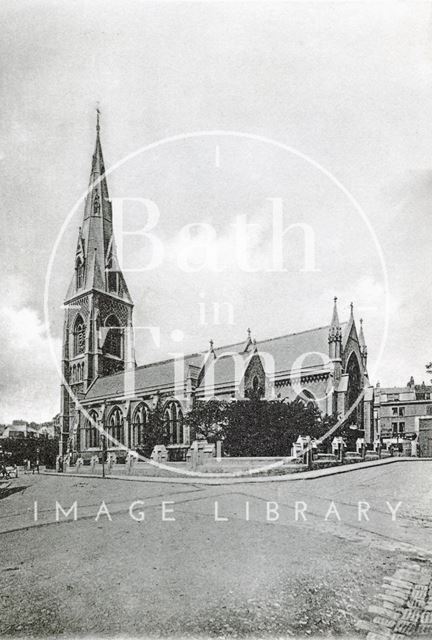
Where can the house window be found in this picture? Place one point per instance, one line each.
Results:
(394, 411)
(401, 427)
(394, 428)
(401, 411)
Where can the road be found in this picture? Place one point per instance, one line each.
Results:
(214, 561)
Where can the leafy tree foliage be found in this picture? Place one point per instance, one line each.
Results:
(156, 431)
(207, 419)
(257, 427)
(16, 450)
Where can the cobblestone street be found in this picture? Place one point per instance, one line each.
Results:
(227, 561)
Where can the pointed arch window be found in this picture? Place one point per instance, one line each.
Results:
(308, 399)
(174, 423)
(354, 389)
(115, 427)
(79, 336)
(139, 425)
(92, 432)
(79, 273)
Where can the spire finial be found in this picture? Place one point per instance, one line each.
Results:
(361, 321)
(352, 308)
(211, 344)
(249, 333)
(97, 117)
(335, 324)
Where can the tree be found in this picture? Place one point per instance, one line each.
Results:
(155, 431)
(206, 419)
(256, 427)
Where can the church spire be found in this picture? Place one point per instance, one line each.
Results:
(362, 343)
(362, 340)
(335, 334)
(248, 342)
(335, 318)
(97, 267)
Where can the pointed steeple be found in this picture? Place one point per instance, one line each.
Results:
(248, 341)
(362, 340)
(335, 334)
(335, 318)
(362, 343)
(211, 350)
(96, 243)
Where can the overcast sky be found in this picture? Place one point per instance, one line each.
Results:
(346, 84)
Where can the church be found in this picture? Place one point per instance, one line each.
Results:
(103, 388)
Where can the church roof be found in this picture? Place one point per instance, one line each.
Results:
(285, 350)
(149, 378)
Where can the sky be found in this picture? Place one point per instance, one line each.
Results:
(344, 86)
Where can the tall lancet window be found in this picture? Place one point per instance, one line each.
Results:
(79, 273)
(79, 336)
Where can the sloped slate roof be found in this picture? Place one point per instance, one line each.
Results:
(148, 378)
(285, 350)
(226, 369)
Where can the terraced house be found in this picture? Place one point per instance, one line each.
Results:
(104, 387)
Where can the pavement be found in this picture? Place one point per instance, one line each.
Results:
(181, 474)
(239, 560)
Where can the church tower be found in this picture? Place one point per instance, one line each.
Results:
(97, 334)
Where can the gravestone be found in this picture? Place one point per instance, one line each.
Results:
(159, 453)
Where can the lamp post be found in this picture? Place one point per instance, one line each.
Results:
(103, 454)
